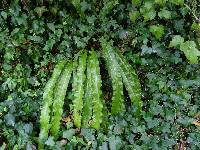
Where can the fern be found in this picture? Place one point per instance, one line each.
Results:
(59, 96)
(131, 82)
(96, 91)
(92, 112)
(47, 102)
(113, 69)
(87, 109)
(78, 89)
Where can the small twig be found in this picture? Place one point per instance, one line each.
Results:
(194, 15)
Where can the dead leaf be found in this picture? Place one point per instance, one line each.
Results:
(196, 123)
(67, 119)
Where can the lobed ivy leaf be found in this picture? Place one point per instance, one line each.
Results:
(164, 13)
(176, 41)
(190, 50)
(157, 31)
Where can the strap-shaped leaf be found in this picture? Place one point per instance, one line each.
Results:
(92, 111)
(87, 105)
(131, 82)
(59, 96)
(116, 79)
(78, 89)
(96, 91)
(47, 103)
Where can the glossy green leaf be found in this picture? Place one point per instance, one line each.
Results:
(116, 79)
(59, 96)
(48, 96)
(131, 82)
(78, 89)
(157, 31)
(93, 97)
(191, 52)
(176, 41)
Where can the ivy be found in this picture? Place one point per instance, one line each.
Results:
(158, 39)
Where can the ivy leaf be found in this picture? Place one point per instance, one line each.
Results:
(4, 15)
(147, 50)
(69, 134)
(177, 2)
(176, 41)
(10, 119)
(190, 51)
(114, 143)
(50, 141)
(136, 2)
(161, 2)
(134, 15)
(166, 14)
(196, 27)
(157, 31)
(148, 11)
(40, 10)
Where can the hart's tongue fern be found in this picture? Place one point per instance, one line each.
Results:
(87, 107)
(131, 82)
(78, 88)
(92, 111)
(96, 91)
(86, 89)
(59, 96)
(116, 79)
(47, 103)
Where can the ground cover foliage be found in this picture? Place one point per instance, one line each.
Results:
(160, 39)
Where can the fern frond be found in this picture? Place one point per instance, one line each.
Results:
(131, 82)
(96, 91)
(116, 79)
(87, 105)
(78, 89)
(47, 102)
(92, 111)
(59, 96)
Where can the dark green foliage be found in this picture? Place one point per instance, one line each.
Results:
(35, 35)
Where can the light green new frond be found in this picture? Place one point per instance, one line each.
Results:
(116, 79)
(78, 89)
(47, 102)
(131, 82)
(96, 91)
(59, 96)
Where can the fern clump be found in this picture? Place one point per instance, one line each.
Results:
(87, 108)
